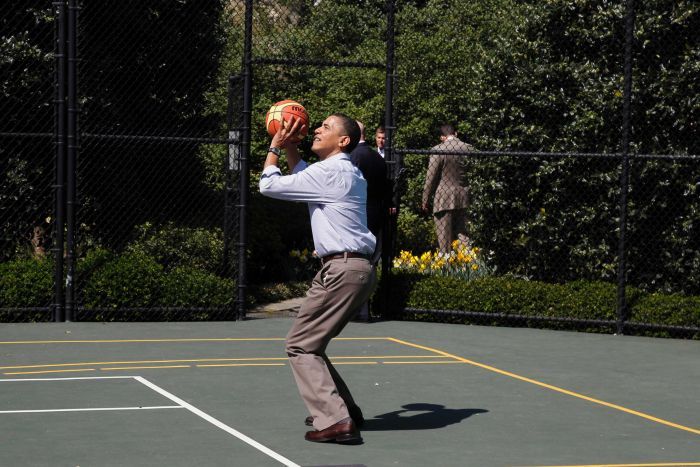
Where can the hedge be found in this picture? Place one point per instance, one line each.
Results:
(26, 283)
(135, 279)
(533, 300)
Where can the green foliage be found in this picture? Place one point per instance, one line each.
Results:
(173, 246)
(581, 300)
(26, 283)
(189, 287)
(674, 309)
(512, 75)
(134, 280)
(26, 164)
(130, 280)
(415, 232)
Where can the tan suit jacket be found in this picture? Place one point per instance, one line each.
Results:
(445, 177)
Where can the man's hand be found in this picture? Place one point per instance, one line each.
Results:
(288, 134)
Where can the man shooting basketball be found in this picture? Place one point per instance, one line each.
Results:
(336, 194)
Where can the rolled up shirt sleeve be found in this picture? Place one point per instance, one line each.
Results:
(301, 185)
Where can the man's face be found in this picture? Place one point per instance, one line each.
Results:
(328, 139)
(379, 139)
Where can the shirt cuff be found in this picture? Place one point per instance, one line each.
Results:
(271, 170)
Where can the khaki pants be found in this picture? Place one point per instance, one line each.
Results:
(337, 291)
(448, 225)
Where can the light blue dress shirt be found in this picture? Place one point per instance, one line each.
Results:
(336, 194)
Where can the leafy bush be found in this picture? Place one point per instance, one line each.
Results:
(26, 283)
(130, 280)
(580, 300)
(172, 246)
(190, 287)
(676, 310)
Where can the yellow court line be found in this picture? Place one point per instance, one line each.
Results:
(241, 364)
(553, 388)
(195, 360)
(663, 464)
(355, 363)
(189, 360)
(421, 363)
(144, 367)
(47, 371)
(223, 339)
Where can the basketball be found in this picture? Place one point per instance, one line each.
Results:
(285, 110)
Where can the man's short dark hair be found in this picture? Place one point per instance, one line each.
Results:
(380, 129)
(350, 128)
(447, 130)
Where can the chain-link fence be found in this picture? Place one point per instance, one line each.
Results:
(584, 177)
(106, 107)
(133, 137)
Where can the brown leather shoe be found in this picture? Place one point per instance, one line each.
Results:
(341, 432)
(355, 414)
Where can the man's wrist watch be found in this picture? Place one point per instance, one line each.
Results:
(276, 151)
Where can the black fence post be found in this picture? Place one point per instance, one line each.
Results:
(231, 165)
(622, 314)
(71, 155)
(244, 181)
(388, 233)
(58, 314)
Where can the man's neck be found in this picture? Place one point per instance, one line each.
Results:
(328, 156)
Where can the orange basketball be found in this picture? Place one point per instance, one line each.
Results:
(285, 110)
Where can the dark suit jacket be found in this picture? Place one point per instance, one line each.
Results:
(373, 168)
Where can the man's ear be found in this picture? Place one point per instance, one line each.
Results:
(344, 141)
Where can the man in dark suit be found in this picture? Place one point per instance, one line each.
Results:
(374, 170)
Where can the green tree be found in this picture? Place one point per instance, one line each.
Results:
(26, 94)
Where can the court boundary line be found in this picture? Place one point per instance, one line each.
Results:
(94, 409)
(654, 464)
(246, 439)
(181, 404)
(409, 344)
(553, 388)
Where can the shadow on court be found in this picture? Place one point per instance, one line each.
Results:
(419, 416)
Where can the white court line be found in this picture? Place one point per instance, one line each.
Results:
(181, 404)
(94, 409)
(5, 380)
(218, 424)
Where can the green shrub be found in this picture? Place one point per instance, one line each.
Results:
(26, 283)
(93, 261)
(173, 246)
(578, 300)
(191, 287)
(674, 310)
(131, 280)
(415, 232)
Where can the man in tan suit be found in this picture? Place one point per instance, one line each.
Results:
(444, 184)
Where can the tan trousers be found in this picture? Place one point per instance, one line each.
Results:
(448, 224)
(337, 291)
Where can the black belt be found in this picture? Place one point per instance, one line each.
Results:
(343, 256)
